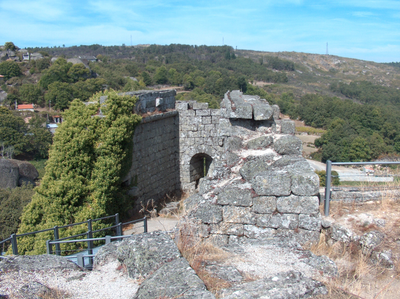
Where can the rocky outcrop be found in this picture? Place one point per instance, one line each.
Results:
(155, 258)
(14, 173)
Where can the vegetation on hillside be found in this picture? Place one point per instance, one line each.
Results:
(84, 170)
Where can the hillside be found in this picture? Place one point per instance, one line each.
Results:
(315, 73)
(357, 102)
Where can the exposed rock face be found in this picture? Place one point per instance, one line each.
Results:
(14, 173)
(9, 174)
(155, 257)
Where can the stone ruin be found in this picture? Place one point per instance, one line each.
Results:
(242, 162)
(257, 185)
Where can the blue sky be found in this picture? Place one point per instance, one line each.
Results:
(362, 29)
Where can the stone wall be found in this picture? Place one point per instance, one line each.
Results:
(150, 100)
(155, 157)
(258, 185)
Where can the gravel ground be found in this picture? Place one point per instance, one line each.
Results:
(104, 283)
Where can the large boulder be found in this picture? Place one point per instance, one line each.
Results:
(9, 174)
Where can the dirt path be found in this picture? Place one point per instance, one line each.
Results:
(153, 224)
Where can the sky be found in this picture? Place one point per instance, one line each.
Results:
(361, 29)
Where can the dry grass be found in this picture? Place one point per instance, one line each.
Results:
(358, 276)
(199, 253)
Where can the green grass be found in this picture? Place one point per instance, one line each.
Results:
(39, 165)
(310, 130)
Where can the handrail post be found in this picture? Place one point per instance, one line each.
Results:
(56, 237)
(14, 244)
(48, 247)
(90, 243)
(119, 230)
(327, 187)
(145, 224)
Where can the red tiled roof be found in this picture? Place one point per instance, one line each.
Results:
(25, 106)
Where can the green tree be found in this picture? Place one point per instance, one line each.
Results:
(13, 130)
(57, 72)
(10, 46)
(9, 69)
(31, 93)
(359, 150)
(12, 203)
(161, 75)
(60, 94)
(78, 72)
(84, 170)
(146, 78)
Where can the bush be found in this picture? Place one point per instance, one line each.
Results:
(322, 178)
(12, 203)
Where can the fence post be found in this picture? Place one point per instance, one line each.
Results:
(90, 243)
(81, 260)
(48, 247)
(327, 187)
(116, 223)
(119, 230)
(108, 239)
(14, 244)
(56, 237)
(145, 224)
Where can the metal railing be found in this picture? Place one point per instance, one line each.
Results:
(89, 234)
(89, 240)
(329, 176)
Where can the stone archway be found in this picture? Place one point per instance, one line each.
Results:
(199, 166)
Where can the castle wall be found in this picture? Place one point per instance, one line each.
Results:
(155, 157)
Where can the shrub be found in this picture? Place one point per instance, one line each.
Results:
(322, 178)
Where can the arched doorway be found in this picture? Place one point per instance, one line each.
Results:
(199, 166)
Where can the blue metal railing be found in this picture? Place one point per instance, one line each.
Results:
(89, 234)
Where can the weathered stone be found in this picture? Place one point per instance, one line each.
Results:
(383, 259)
(276, 183)
(305, 183)
(218, 240)
(371, 240)
(234, 214)
(264, 204)
(226, 273)
(277, 111)
(288, 285)
(253, 167)
(172, 280)
(243, 111)
(269, 220)
(227, 229)
(255, 232)
(298, 204)
(27, 170)
(36, 263)
(141, 254)
(260, 142)
(208, 213)
(289, 221)
(292, 164)
(233, 144)
(35, 290)
(309, 222)
(288, 127)
(192, 201)
(263, 112)
(9, 174)
(299, 235)
(340, 233)
(288, 145)
(235, 196)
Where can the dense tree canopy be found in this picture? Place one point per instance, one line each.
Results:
(84, 169)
